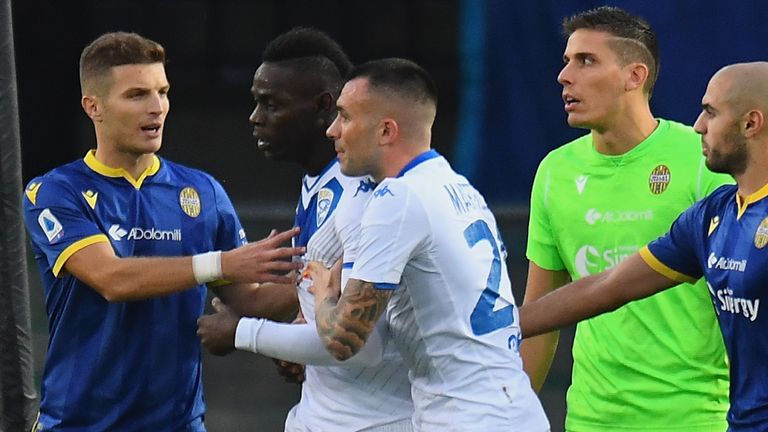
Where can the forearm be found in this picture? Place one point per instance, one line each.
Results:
(276, 302)
(299, 343)
(537, 354)
(127, 279)
(345, 323)
(593, 295)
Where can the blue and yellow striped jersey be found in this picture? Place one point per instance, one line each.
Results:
(127, 366)
(723, 238)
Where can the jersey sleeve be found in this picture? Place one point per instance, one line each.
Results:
(542, 246)
(394, 226)
(230, 233)
(674, 254)
(58, 222)
(348, 220)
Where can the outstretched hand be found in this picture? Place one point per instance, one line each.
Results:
(264, 260)
(217, 331)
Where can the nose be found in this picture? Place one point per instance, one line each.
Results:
(700, 126)
(158, 103)
(334, 130)
(256, 118)
(564, 76)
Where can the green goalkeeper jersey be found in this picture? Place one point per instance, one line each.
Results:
(657, 364)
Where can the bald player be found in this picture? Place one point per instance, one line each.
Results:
(722, 238)
(429, 258)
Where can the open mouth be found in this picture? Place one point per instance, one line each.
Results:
(570, 101)
(153, 128)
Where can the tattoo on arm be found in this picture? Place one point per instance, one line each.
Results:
(345, 323)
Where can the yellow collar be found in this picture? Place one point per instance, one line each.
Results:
(741, 205)
(99, 167)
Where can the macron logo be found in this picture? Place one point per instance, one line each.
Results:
(116, 232)
(581, 182)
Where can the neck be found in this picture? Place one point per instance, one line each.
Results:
(626, 132)
(754, 177)
(321, 154)
(133, 164)
(395, 161)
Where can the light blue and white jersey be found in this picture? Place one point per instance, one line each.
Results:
(429, 235)
(343, 398)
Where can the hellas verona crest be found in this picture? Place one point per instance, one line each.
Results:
(324, 200)
(761, 236)
(189, 201)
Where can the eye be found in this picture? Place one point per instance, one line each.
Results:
(588, 60)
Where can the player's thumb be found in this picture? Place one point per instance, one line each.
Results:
(218, 305)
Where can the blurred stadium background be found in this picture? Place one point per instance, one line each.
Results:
(495, 63)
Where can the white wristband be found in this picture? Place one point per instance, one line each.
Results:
(207, 267)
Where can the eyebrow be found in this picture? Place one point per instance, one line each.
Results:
(708, 108)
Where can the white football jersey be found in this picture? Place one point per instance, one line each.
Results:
(343, 398)
(429, 236)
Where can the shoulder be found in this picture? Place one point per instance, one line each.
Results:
(569, 151)
(182, 174)
(679, 134)
(719, 196)
(55, 185)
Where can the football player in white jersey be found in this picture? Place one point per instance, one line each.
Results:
(429, 258)
(295, 89)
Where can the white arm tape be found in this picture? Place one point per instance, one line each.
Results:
(207, 267)
(300, 343)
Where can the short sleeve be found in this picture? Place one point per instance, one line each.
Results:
(394, 226)
(348, 220)
(542, 246)
(674, 254)
(57, 221)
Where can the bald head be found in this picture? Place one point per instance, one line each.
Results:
(744, 86)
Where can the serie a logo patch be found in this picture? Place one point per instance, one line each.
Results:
(761, 236)
(190, 201)
(659, 179)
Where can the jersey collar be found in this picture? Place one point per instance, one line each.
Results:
(94, 164)
(310, 181)
(742, 204)
(427, 155)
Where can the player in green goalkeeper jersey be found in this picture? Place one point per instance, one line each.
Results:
(657, 364)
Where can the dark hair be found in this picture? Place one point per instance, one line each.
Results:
(310, 50)
(400, 76)
(116, 49)
(637, 40)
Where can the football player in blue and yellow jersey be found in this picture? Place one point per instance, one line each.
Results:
(126, 242)
(722, 238)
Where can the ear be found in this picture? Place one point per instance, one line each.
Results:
(324, 103)
(637, 75)
(752, 123)
(325, 107)
(92, 107)
(389, 131)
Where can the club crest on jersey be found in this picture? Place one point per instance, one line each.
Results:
(761, 236)
(190, 201)
(659, 179)
(50, 225)
(324, 201)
